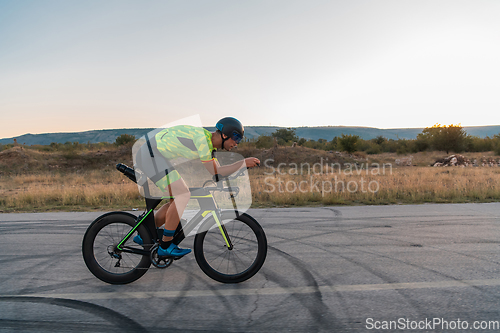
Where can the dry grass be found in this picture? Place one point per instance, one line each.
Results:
(105, 188)
(78, 191)
(402, 185)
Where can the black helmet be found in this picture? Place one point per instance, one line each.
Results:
(232, 128)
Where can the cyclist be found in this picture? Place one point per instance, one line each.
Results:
(188, 142)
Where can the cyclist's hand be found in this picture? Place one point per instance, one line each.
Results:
(252, 162)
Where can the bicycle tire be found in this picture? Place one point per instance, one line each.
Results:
(99, 243)
(236, 265)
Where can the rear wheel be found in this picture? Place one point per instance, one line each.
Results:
(100, 251)
(234, 265)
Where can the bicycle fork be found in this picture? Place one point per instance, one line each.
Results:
(222, 229)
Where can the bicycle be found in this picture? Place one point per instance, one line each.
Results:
(229, 247)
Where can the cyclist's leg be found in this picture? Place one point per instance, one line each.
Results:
(160, 213)
(172, 214)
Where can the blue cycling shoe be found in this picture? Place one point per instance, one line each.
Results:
(173, 251)
(138, 240)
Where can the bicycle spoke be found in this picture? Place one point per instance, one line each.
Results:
(107, 239)
(240, 257)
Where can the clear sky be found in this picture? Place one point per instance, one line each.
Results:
(81, 65)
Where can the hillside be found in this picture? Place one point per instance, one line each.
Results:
(108, 135)
(314, 133)
(22, 160)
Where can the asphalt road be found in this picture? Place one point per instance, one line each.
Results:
(428, 267)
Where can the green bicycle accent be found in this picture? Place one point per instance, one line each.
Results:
(131, 232)
(221, 227)
(222, 231)
(201, 196)
(192, 197)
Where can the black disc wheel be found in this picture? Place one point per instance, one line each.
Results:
(231, 264)
(102, 256)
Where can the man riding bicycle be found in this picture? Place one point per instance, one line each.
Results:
(155, 158)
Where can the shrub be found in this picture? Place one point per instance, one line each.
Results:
(348, 143)
(373, 148)
(55, 145)
(5, 147)
(421, 143)
(379, 140)
(285, 135)
(496, 144)
(124, 139)
(476, 144)
(264, 141)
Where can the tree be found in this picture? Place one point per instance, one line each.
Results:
(447, 138)
(264, 141)
(124, 139)
(285, 135)
(55, 145)
(379, 140)
(348, 142)
(421, 143)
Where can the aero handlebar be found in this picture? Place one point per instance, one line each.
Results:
(130, 173)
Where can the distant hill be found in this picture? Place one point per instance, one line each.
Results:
(314, 133)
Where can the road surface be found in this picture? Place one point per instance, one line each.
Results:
(329, 269)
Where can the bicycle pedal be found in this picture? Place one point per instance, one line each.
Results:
(164, 257)
(169, 257)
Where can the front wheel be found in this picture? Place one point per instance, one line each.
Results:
(100, 251)
(234, 265)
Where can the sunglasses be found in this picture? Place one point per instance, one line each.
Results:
(237, 137)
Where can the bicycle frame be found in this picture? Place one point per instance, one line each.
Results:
(207, 205)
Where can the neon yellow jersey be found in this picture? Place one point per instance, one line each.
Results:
(185, 141)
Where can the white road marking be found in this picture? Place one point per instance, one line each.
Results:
(269, 291)
(24, 222)
(10, 224)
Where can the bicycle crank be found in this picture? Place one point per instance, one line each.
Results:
(156, 260)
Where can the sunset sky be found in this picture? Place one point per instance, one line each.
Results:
(70, 66)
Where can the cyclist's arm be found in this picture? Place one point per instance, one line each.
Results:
(214, 167)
